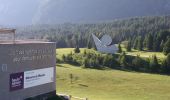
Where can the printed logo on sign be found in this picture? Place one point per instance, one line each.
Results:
(16, 81)
(31, 78)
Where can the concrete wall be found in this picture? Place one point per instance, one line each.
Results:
(22, 57)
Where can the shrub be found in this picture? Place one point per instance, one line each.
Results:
(64, 58)
(166, 48)
(137, 63)
(154, 66)
(123, 60)
(77, 50)
(119, 48)
(166, 65)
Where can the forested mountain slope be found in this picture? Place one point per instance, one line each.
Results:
(67, 35)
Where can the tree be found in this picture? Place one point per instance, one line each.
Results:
(162, 45)
(86, 62)
(129, 46)
(135, 43)
(85, 52)
(156, 44)
(109, 61)
(123, 59)
(77, 50)
(145, 42)
(106, 60)
(119, 48)
(149, 42)
(166, 48)
(140, 43)
(137, 62)
(168, 59)
(89, 44)
(166, 65)
(63, 57)
(154, 65)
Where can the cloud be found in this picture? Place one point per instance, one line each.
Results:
(3, 8)
(43, 4)
(46, 10)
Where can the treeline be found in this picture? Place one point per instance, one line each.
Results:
(92, 59)
(72, 35)
(159, 42)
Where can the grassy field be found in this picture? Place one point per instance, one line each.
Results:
(110, 84)
(66, 51)
(144, 54)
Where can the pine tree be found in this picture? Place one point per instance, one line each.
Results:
(140, 43)
(145, 42)
(89, 46)
(137, 62)
(162, 45)
(119, 48)
(168, 61)
(129, 46)
(157, 41)
(166, 48)
(85, 62)
(85, 52)
(149, 42)
(135, 43)
(123, 59)
(154, 65)
(166, 65)
(63, 57)
(77, 50)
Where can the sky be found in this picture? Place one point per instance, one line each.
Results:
(26, 12)
(18, 11)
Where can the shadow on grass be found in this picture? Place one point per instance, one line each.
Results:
(139, 71)
(59, 65)
(126, 69)
(83, 85)
(99, 68)
(56, 98)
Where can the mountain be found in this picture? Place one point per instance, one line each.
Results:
(24, 12)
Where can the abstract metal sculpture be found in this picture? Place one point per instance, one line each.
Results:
(105, 44)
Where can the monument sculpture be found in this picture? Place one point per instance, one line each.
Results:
(105, 44)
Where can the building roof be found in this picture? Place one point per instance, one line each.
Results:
(7, 30)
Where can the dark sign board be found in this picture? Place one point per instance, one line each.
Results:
(16, 81)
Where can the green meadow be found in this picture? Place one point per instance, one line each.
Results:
(110, 84)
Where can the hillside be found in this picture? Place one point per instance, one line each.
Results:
(67, 35)
(111, 84)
